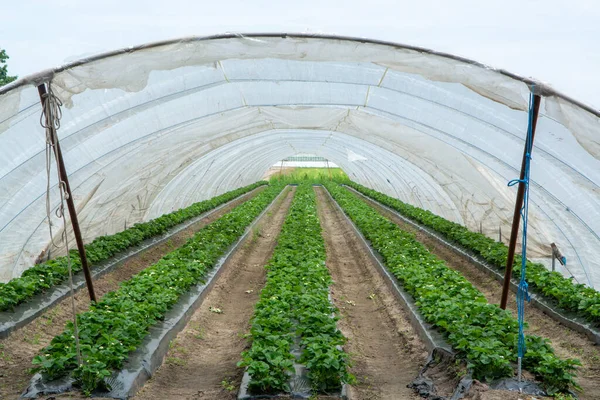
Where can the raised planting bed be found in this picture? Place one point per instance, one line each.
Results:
(482, 333)
(26, 312)
(574, 298)
(48, 274)
(119, 323)
(547, 305)
(296, 346)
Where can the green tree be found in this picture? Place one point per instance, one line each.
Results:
(4, 77)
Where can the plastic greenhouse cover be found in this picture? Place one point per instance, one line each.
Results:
(154, 128)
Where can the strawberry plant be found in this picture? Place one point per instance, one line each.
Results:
(577, 298)
(118, 323)
(294, 304)
(50, 273)
(482, 333)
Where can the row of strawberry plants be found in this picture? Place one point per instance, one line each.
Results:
(577, 298)
(295, 304)
(50, 273)
(118, 323)
(485, 335)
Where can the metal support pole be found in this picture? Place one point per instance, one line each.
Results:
(553, 263)
(500, 233)
(328, 170)
(71, 206)
(512, 244)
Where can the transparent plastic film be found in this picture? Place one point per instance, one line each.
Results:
(154, 128)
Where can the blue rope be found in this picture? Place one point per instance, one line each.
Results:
(523, 292)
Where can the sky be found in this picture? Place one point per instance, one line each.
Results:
(555, 41)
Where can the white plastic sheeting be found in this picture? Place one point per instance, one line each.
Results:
(152, 129)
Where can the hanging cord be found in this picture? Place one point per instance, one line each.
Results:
(51, 112)
(522, 292)
(50, 118)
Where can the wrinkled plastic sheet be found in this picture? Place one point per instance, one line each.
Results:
(431, 337)
(441, 360)
(564, 317)
(26, 312)
(525, 387)
(148, 357)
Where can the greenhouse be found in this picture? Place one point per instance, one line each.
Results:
(217, 265)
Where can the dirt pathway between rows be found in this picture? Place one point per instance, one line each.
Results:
(202, 360)
(386, 351)
(17, 351)
(566, 342)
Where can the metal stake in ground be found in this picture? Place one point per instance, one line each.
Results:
(512, 244)
(70, 204)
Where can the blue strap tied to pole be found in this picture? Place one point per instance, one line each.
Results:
(523, 292)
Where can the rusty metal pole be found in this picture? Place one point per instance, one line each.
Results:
(512, 244)
(71, 206)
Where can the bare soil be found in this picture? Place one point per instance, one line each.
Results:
(566, 342)
(201, 363)
(386, 351)
(17, 351)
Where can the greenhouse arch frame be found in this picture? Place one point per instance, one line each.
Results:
(153, 128)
